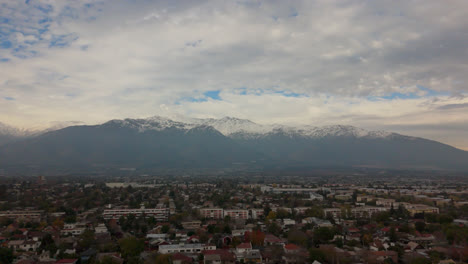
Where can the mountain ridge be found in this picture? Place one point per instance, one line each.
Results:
(159, 142)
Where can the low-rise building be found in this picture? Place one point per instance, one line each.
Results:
(185, 248)
(215, 213)
(160, 214)
(421, 208)
(237, 213)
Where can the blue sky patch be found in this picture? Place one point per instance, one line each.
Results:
(213, 94)
(5, 44)
(8, 98)
(290, 94)
(412, 95)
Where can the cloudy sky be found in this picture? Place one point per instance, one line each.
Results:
(395, 65)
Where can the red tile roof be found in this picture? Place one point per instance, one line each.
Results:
(291, 247)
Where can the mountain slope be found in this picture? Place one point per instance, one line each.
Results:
(10, 134)
(219, 143)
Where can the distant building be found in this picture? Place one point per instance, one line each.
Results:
(237, 213)
(215, 213)
(26, 215)
(256, 213)
(160, 214)
(185, 248)
(367, 211)
(334, 212)
(191, 225)
(421, 208)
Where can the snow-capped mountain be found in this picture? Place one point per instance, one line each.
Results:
(161, 143)
(9, 134)
(230, 126)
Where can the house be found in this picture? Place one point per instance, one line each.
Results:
(218, 256)
(66, 261)
(179, 258)
(381, 256)
(272, 240)
(25, 245)
(101, 229)
(244, 247)
(291, 248)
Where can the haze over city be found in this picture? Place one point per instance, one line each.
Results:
(381, 65)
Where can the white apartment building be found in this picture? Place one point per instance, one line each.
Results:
(160, 214)
(185, 248)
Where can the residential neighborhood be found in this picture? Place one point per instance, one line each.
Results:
(233, 220)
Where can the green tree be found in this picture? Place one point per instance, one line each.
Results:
(6, 255)
(420, 226)
(323, 234)
(392, 234)
(165, 229)
(131, 247)
(317, 254)
(163, 259)
(87, 239)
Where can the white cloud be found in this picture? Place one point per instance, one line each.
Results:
(96, 60)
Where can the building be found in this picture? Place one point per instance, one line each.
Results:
(191, 225)
(160, 214)
(334, 212)
(367, 211)
(236, 213)
(385, 202)
(26, 215)
(215, 213)
(101, 229)
(421, 209)
(185, 248)
(256, 213)
(75, 229)
(219, 256)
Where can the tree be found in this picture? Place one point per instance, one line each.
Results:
(131, 247)
(280, 213)
(420, 226)
(163, 259)
(271, 216)
(297, 237)
(107, 260)
(323, 234)
(227, 229)
(6, 255)
(87, 239)
(392, 234)
(317, 254)
(165, 229)
(274, 228)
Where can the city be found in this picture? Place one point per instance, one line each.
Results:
(250, 219)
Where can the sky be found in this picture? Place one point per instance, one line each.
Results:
(400, 66)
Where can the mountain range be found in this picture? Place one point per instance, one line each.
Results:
(159, 142)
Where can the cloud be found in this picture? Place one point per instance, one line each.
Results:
(453, 106)
(369, 63)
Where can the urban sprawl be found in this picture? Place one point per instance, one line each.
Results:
(233, 220)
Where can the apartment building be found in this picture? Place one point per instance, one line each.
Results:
(160, 214)
(215, 213)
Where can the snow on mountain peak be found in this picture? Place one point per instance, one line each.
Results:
(230, 126)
